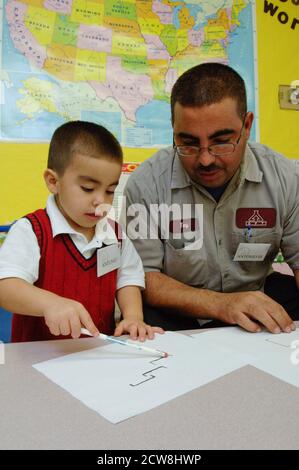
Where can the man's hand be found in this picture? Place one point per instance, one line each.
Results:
(66, 317)
(251, 310)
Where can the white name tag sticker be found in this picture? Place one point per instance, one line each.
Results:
(252, 251)
(108, 259)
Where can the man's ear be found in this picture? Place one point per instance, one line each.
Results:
(248, 123)
(52, 180)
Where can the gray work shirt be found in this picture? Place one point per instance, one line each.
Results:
(264, 191)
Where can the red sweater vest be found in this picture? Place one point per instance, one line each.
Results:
(64, 271)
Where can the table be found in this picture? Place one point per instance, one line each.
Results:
(246, 409)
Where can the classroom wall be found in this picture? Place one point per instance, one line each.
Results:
(278, 64)
(22, 188)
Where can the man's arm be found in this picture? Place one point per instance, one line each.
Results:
(246, 309)
(163, 291)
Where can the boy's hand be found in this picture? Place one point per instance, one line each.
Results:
(66, 317)
(137, 329)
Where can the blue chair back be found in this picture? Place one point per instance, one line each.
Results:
(5, 325)
(5, 317)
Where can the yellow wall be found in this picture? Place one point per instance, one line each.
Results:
(22, 188)
(278, 64)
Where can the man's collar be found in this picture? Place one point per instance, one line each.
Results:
(250, 169)
(179, 177)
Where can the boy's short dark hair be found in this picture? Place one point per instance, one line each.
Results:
(85, 138)
(209, 83)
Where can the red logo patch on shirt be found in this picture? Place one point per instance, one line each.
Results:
(256, 217)
(181, 226)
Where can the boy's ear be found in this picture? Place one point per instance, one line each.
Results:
(52, 180)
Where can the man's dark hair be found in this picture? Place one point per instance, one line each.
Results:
(85, 138)
(209, 83)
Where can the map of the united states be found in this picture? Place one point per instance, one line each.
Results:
(112, 62)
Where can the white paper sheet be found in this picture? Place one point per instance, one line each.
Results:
(119, 382)
(276, 354)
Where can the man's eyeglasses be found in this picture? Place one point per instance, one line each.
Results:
(217, 150)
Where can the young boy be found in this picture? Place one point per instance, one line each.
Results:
(61, 267)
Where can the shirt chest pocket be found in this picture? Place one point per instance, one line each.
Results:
(186, 265)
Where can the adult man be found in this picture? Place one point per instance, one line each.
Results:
(250, 200)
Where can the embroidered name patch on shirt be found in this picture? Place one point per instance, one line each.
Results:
(256, 217)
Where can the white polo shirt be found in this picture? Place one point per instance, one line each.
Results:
(20, 253)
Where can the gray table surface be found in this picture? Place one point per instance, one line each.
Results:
(246, 409)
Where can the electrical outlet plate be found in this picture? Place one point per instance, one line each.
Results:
(288, 97)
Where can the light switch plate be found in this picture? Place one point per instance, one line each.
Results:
(288, 97)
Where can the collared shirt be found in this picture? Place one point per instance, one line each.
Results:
(20, 253)
(264, 192)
